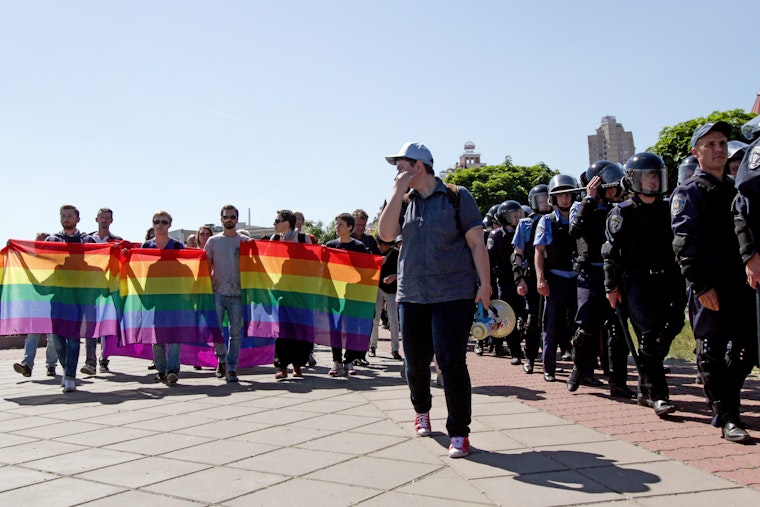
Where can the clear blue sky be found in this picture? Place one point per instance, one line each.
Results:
(186, 105)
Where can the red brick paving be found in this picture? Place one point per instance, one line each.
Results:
(685, 436)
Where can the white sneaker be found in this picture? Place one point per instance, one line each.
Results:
(69, 385)
(422, 424)
(337, 369)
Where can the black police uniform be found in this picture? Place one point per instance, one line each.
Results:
(707, 250)
(523, 269)
(639, 262)
(502, 280)
(595, 317)
(746, 226)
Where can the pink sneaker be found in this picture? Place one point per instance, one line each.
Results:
(422, 424)
(459, 447)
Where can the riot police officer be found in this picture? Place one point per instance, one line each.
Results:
(524, 272)
(721, 304)
(587, 226)
(687, 168)
(641, 274)
(508, 214)
(555, 277)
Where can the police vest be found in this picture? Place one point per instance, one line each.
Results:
(561, 251)
(589, 245)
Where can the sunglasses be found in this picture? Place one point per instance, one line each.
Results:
(278, 221)
(230, 217)
(164, 222)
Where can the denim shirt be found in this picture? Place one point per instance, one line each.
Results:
(435, 263)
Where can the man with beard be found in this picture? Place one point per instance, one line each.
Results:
(223, 251)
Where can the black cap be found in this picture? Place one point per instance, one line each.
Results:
(720, 126)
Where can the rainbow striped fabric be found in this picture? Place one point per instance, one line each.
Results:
(63, 288)
(166, 297)
(147, 296)
(309, 292)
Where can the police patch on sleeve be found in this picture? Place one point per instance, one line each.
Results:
(540, 228)
(614, 223)
(754, 158)
(677, 204)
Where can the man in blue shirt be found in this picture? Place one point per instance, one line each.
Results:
(443, 272)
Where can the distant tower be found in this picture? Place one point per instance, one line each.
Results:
(611, 142)
(469, 158)
(756, 106)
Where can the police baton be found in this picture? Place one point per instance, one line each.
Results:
(629, 339)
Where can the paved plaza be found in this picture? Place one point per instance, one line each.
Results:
(123, 440)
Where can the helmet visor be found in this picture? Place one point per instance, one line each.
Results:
(539, 201)
(650, 181)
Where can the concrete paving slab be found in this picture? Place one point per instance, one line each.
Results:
(38, 449)
(219, 452)
(142, 472)
(16, 477)
(284, 436)
(216, 485)
(61, 492)
(291, 461)
(299, 491)
(447, 485)
(154, 445)
(374, 472)
(140, 498)
(81, 461)
(545, 489)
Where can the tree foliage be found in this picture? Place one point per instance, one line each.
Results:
(323, 233)
(674, 145)
(494, 184)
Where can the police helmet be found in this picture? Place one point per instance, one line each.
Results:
(593, 170)
(490, 214)
(751, 129)
(538, 198)
(526, 209)
(687, 168)
(646, 174)
(612, 177)
(509, 213)
(736, 150)
(560, 184)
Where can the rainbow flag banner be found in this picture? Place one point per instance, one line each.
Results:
(63, 288)
(166, 297)
(309, 292)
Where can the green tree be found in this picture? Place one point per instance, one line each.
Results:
(321, 232)
(674, 143)
(494, 184)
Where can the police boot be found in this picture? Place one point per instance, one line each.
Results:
(498, 348)
(731, 429)
(735, 433)
(622, 391)
(642, 397)
(479, 348)
(528, 364)
(574, 380)
(663, 408)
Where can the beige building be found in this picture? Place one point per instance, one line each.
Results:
(611, 142)
(467, 159)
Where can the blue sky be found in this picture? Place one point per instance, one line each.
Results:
(186, 105)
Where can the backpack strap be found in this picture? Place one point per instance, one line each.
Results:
(452, 194)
